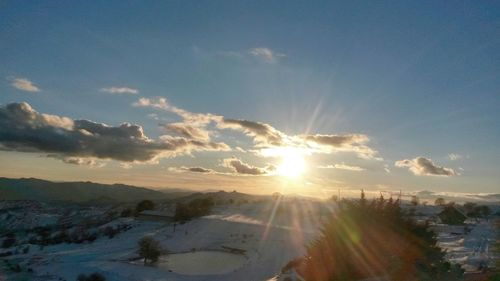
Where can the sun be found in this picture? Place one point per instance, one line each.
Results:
(292, 165)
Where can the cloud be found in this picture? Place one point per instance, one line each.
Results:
(265, 54)
(190, 117)
(457, 196)
(24, 84)
(260, 54)
(263, 134)
(194, 126)
(192, 169)
(349, 142)
(342, 167)
(185, 146)
(455, 156)
(80, 161)
(421, 166)
(187, 130)
(120, 90)
(240, 149)
(24, 129)
(386, 169)
(240, 167)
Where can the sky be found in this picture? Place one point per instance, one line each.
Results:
(254, 96)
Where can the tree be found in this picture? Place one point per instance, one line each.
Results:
(450, 215)
(144, 205)
(362, 201)
(195, 208)
(149, 249)
(276, 196)
(485, 211)
(469, 208)
(414, 200)
(439, 202)
(372, 240)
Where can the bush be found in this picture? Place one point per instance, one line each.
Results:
(144, 205)
(96, 276)
(127, 213)
(8, 242)
(110, 232)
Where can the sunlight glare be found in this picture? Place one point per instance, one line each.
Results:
(292, 165)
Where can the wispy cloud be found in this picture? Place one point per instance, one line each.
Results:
(386, 168)
(24, 84)
(455, 156)
(91, 162)
(260, 54)
(342, 167)
(193, 125)
(266, 54)
(421, 166)
(120, 90)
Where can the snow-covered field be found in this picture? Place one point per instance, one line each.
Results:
(269, 235)
(473, 250)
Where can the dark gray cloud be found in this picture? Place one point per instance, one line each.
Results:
(24, 129)
(262, 133)
(192, 169)
(422, 166)
(199, 170)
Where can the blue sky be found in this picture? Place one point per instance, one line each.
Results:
(419, 79)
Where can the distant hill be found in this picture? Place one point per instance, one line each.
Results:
(223, 196)
(42, 190)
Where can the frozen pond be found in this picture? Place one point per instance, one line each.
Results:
(202, 262)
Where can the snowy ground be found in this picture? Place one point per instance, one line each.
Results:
(270, 235)
(473, 250)
(269, 245)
